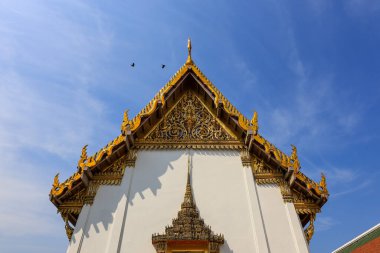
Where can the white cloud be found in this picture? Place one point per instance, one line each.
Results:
(336, 177)
(313, 108)
(31, 118)
(324, 223)
(45, 82)
(47, 110)
(308, 114)
(353, 188)
(342, 176)
(24, 210)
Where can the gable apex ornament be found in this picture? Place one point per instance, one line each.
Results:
(294, 158)
(125, 124)
(190, 124)
(189, 61)
(56, 181)
(255, 123)
(323, 184)
(83, 157)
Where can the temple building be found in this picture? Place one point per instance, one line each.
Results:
(189, 173)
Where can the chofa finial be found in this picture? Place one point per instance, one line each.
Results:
(255, 123)
(323, 185)
(189, 60)
(83, 157)
(56, 181)
(125, 123)
(294, 159)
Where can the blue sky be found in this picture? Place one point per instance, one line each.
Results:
(310, 69)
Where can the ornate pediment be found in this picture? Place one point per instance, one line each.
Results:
(189, 123)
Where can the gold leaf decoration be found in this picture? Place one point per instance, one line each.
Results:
(309, 231)
(294, 159)
(189, 121)
(255, 123)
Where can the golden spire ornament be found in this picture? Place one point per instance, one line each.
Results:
(56, 181)
(323, 185)
(255, 123)
(125, 122)
(189, 61)
(83, 157)
(294, 159)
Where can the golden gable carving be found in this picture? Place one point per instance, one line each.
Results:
(190, 122)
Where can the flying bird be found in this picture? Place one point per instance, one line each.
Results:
(162, 66)
(133, 64)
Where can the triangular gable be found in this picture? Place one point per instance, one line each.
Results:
(189, 123)
(219, 100)
(165, 121)
(136, 129)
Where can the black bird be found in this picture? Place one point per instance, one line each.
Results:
(162, 66)
(133, 64)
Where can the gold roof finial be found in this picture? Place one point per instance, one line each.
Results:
(323, 180)
(294, 159)
(83, 156)
(189, 61)
(255, 123)
(125, 122)
(56, 181)
(323, 184)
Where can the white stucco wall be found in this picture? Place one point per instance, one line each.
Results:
(123, 218)
(281, 222)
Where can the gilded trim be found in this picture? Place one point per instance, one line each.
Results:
(112, 175)
(90, 162)
(304, 205)
(69, 230)
(186, 145)
(263, 174)
(246, 158)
